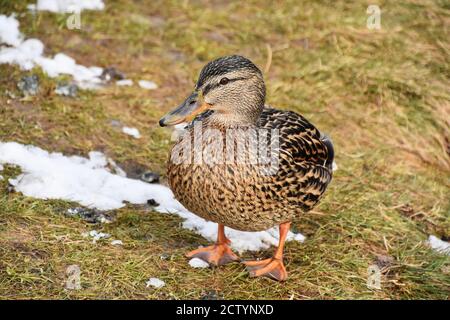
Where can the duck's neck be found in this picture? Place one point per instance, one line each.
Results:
(231, 120)
(242, 115)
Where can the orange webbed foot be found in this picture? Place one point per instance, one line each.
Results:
(272, 268)
(216, 255)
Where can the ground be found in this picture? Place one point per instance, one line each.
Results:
(382, 95)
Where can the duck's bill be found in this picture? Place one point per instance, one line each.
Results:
(186, 112)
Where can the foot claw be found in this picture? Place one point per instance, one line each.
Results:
(272, 268)
(217, 255)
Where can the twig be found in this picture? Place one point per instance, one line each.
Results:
(269, 58)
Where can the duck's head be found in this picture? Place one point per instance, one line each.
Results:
(232, 87)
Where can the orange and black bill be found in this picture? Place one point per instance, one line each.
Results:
(185, 112)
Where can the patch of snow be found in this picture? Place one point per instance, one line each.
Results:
(131, 132)
(117, 242)
(9, 31)
(198, 263)
(89, 182)
(124, 82)
(1, 167)
(240, 240)
(95, 235)
(149, 85)
(25, 54)
(29, 53)
(116, 169)
(86, 77)
(335, 166)
(298, 237)
(439, 245)
(1, 178)
(66, 6)
(155, 283)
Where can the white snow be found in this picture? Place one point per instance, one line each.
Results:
(9, 31)
(335, 166)
(124, 82)
(439, 245)
(89, 182)
(198, 263)
(95, 235)
(29, 53)
(155, 282)
(24, 54)
(65, 6)
(131, 132)
(116, 169)
(117, 242)
(149, 85)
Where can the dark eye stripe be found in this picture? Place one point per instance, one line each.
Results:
(209, 87)
(236, 79)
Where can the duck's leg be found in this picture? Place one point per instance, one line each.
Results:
(272, 267)
(218, 254)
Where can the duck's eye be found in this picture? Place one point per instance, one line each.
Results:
(224, 81)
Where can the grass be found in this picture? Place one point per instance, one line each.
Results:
(381, 94)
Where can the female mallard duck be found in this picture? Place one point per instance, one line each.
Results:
(215, 172)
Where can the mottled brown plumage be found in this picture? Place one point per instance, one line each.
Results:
(238, 195)
(245, 195)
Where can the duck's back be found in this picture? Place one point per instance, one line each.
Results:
(243, 196)
(306, 157)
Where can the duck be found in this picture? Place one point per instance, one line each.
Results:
(243, 164)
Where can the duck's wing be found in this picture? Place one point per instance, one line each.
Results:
(306, 157)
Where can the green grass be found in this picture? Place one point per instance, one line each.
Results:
(382, 96)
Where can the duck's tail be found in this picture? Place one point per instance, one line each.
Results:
(329, 144)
